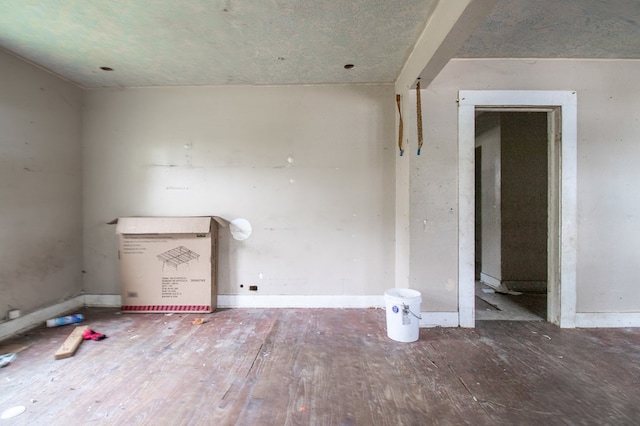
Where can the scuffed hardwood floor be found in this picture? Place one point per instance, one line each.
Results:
(321, 367)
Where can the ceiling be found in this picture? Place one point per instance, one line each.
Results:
(558, 29)
(226, 42)
(214, 42)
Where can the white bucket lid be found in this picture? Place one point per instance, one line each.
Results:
(403, 295)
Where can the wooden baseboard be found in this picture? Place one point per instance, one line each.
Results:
(103, 300)
(429, 319)
(25, 322)
(607, 319)
(526, 286)
(439, 319)
(299, 301)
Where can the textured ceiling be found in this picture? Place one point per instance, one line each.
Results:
(558, 29)
(218, 42)
(205, 42)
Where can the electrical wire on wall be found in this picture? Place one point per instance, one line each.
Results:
(400, 125)
(419, 116)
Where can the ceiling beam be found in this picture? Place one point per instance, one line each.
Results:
(447, 28)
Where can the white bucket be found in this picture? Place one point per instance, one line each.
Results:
(403, 314)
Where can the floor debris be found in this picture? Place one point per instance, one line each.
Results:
(92, 335)
(13, 412)
(7, 359)
(70, 346)
(13, 348)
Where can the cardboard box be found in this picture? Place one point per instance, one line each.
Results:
(168, 264)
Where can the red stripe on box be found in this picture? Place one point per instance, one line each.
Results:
(162, 308)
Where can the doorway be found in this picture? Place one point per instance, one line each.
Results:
(511, 215)
(560, 109)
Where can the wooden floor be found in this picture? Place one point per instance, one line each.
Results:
(321, 367)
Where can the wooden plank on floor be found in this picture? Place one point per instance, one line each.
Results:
(12, 348)
(70, 346)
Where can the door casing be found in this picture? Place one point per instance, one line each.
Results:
(561, 245)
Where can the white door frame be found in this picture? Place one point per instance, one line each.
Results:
(562, 109)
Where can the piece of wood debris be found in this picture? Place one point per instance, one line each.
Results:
(69, 347)
(13, 348)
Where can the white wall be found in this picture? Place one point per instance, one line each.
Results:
(433, 205)
(311, 167)
(524, 211)
(608, 94)
(491, 205)
(40, 188)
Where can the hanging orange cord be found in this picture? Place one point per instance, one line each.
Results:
(419, 116)
(400, 125)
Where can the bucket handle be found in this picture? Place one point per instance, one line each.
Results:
(406, 308)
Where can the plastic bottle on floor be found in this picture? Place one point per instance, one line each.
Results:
(70, 319)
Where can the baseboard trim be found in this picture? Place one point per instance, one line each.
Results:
(526, 286)
(103, 300)
(299, 301)
(489, 280)
(607, 319)
(439, 319)
(25, 322)
(429, 319)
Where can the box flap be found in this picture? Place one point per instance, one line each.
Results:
(163, 225)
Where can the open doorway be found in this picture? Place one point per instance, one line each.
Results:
(561, 110)
(511, 215)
